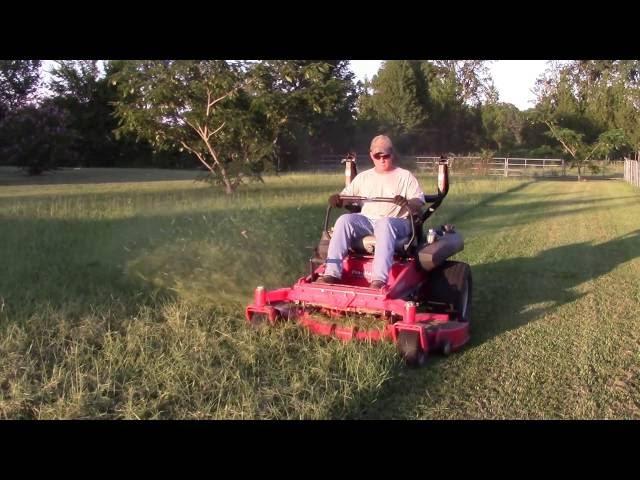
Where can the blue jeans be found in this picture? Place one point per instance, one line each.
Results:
(354, 225)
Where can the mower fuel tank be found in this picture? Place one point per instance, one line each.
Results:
(446, 245)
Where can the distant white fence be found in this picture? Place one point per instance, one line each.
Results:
(632, 171)
(501, 166)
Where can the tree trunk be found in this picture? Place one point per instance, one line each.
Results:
(223, 173)
(228, 187)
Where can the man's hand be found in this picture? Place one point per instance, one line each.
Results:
(400, 200)
(335, 200)
(414, 206)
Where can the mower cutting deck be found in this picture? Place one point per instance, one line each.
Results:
(425, 306)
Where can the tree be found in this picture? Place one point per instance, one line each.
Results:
(75, 78)
(434, 105)
(627, 117)
(40, 138)
(611, 141)
(593, 96)
(308, 105)
(457, 90)
(201, 107)
(626, 91)
(558, 102)
(19, 81)
(81, 89)
(535, 139)
(503, 124)
(580, 153)
(399, 100)
(461, 81)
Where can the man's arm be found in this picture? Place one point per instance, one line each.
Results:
(351, 188)
(415, 195)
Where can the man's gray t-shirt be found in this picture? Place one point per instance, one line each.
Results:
(389, 184)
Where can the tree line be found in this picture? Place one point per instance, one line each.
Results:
(239, 119)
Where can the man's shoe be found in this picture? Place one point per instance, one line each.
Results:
(377, 284)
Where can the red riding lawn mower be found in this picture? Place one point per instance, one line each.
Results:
(425, 306)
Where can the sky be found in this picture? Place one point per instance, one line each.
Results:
(514, 79)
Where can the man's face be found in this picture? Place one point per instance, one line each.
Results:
(382, 157)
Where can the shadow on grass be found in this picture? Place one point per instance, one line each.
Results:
(508, 294)
(544, 283)
(14, 176)
(193, 191)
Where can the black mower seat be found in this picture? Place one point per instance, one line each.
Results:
(366, 245)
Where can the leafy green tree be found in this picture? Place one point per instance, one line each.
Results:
(461, 81)
(592, 97)
(581, 153)
(19, 81)
(612, 141)
(503, 124)
(308, 106)
(40, 138)
(457, 91)
(399, 99)
(200, 107)
(83, 91)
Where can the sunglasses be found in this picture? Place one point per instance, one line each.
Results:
(378, 156)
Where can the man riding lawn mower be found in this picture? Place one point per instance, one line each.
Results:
(378, 263)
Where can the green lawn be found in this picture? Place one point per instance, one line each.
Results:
(125, 300)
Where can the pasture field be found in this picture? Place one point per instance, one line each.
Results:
(124, 299)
